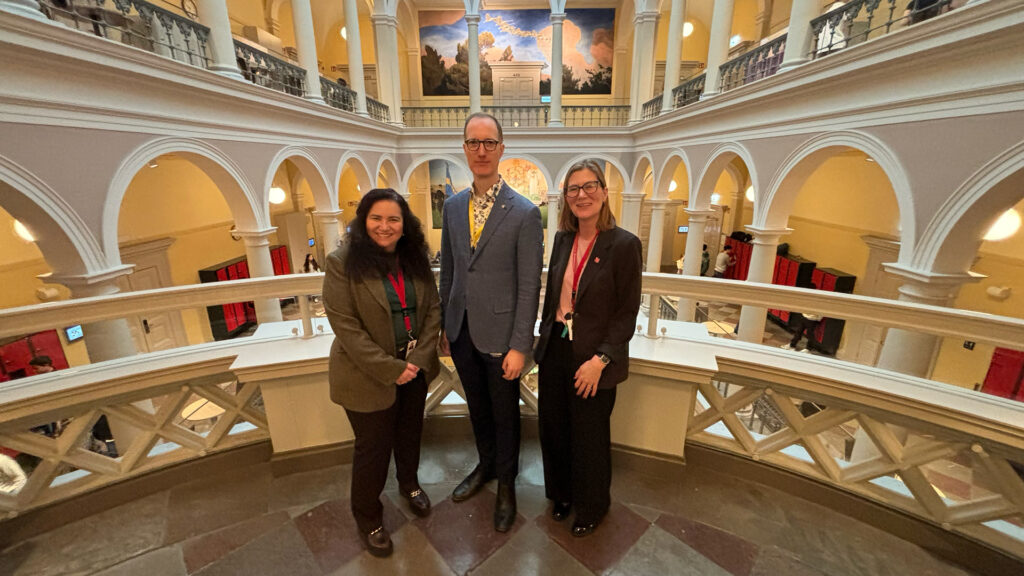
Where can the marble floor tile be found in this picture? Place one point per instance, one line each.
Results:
(93, 543)
(167, 561)
(205, 549)
(658, 553)
(330, 531)
(649, 514)
(732, 553)
(217, 501)
(772, 561)
(529, 553)
(311, 487)
(618, 532)
(463, 533)
(413, 555)
(280, 551)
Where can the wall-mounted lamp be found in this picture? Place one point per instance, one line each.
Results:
(277, 195)
(715, 198)
(687, 29)
(234, 234)
(23, 232)
(672, 186)
(1006, 226)
(749, 195)
(344, 34)
(998, 292)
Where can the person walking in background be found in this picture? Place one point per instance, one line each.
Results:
(382, 303)
(590, 308)
(310, 265)
(723, 261)
(803, 324)
(491, 256)
(705, 261)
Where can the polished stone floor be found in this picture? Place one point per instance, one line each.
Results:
(249, 522)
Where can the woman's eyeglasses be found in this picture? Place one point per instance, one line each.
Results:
(490, 145)
(589, 187)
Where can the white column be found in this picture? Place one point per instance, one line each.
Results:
(762, 266)
(106, 339)
(473, 49)
(214, 14)
(645, 28)
(631, 204)
(718, 45)
(694, 251)
(385, 38)
(656, 237)
(26, 8)
(356, 80)
(305, 42)
(911, 352)
(675, 48)
(556, 70)
(554, 207)
(329, 230)
(798, 38)
(257, 252)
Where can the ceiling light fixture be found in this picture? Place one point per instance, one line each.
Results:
(277, 195)
(715, 198)
(687, 29)
(23, 232)
(1006, 226)
(750, 193)
(672, 186)
(344, 34)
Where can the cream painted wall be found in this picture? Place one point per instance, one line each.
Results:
(246, 13)
(744, 20)
(695, 46)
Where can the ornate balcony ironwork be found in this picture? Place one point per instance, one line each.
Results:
(135, 23)
(761, 62)
(652, 108)
(860, 20)
(378, 110)
(265, 70)
(688, 92)
(337, 95)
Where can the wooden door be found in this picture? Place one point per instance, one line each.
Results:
(153, 331)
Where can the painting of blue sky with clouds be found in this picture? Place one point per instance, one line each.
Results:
(517, 35)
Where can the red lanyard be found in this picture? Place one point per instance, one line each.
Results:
(578, 267)
(399, 286)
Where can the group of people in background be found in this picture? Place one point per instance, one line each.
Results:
(391, 322)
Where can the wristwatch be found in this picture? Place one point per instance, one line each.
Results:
(605, 359)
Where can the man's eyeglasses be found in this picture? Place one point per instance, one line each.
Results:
(490, 145)
(589, 187)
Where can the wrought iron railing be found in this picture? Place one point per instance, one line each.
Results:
(595, 115)
(337, 95)
(651, 108)
(860, 20)
(378, 110)
(668, 310)
(136, 23)
(758, 63)
(688, 92)
(265, 70)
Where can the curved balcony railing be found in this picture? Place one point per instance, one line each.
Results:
(946, 455)
(337, 95)
(378, 110)
(651, 108)
(516, 116)
(263, 69)
(135, 23)
(434, 116)
(758, 63)
(860, 20)
(688, 92)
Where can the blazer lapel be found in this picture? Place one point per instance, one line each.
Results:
(556, 272)
(500, 208)
(376, 288)
(460, 203)
(597, 258)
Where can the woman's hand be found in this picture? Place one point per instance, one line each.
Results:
(587, 377)
(411, 370)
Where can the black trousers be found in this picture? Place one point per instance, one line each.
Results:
(802, 325)
(575, 435)
(398, 428)
(493, 406)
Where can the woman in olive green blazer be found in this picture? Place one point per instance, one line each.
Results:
(382, 303)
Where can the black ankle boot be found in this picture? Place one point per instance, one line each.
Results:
(505, 507)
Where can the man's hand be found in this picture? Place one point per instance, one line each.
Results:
(444, 348)
(587, 377)
(411, 370)
(512, 365)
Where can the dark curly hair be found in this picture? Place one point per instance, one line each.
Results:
(367, 259)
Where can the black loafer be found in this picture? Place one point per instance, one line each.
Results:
(476, 480)
(580, 529)
(505, 508)
(378, 542)
(418, 501)
(560, 511)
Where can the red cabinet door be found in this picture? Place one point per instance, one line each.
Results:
(1005, 374)
(48, 344)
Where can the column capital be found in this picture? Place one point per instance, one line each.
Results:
(633, 196)
(929, 287)
(554, 200)
(648, 17)
(384, 20)
(698, 215)
(557, 17)
(255, 237)
(327, 214)
(92, 283)
(472, 19)
(26, 8)
(767, 236)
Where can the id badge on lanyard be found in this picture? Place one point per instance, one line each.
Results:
(399, 286)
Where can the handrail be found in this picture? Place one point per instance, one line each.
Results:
(338, 96)
(755, 64)
(688, 92)
(652, 108)
(855, 22)
(936, 320)
(264, 69)
(378, 110)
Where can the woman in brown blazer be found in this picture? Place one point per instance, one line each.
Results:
(590, 308)
(381, 301)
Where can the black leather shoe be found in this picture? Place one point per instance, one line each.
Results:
(580, 529)
(560, 511)
(378, 542)
(418, 501)
(471, 485)
(505, 507)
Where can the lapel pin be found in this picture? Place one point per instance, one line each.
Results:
(597, 260)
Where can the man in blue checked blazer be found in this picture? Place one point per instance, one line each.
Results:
(491, 256)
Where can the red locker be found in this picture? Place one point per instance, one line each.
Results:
(1005, 376)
